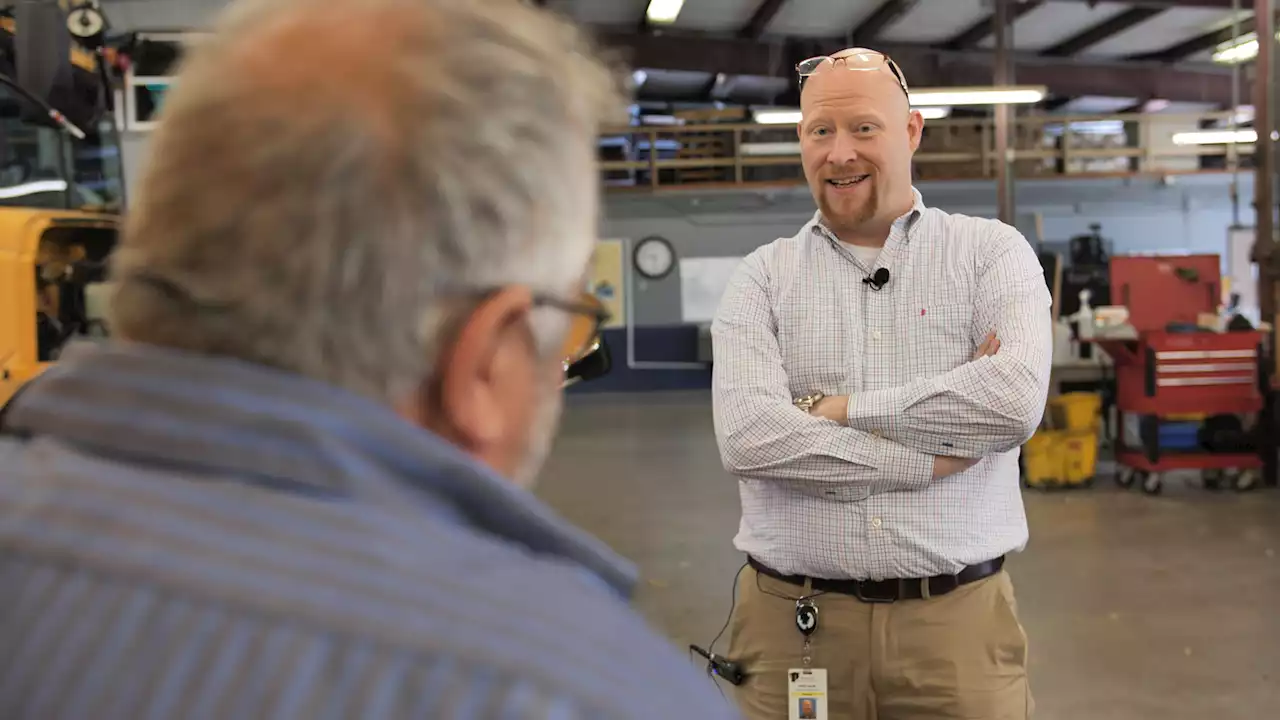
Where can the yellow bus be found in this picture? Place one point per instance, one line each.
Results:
(61, 190)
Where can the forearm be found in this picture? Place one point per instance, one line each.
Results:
(993, 403)
(762, 435)
(765, 440)
(987, 406)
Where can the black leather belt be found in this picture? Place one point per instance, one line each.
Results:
(887, 591)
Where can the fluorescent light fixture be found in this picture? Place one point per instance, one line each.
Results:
(1238, 50)
(769, 149)
(792, 117)
(31, 188)
(663, 12)
(1241, 115)
(1016, 94)
(660, 120)
(1215, 137)
(777, 117)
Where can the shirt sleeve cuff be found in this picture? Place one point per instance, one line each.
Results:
(906, 469)
(877, 411)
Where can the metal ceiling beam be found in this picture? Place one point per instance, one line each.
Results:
(977, 32)
(889, 12)
(1134, 81)
(1166, 4)
(1199, 43)
(761, 18)
(1095, 34)
(924, 66)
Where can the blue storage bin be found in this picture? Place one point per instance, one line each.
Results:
(1179, 435)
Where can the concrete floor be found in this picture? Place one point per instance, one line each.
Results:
(1136, 607)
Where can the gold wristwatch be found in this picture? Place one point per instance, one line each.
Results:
(807, 402)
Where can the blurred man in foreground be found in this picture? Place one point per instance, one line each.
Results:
(292, 486)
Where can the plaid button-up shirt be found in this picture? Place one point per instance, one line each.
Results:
(826, 500)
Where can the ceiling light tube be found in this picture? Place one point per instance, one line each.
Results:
(663, 12)
(792, 117)
(777, 117)
(1238, 50)
(1215, 137)
(769, 149)
(933, 112)
(1016, 94)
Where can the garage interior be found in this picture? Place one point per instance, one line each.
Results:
(1124, 139)
(1137, 604)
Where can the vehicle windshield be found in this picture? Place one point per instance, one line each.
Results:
(45, 167)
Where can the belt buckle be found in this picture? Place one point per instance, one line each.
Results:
(859, 593)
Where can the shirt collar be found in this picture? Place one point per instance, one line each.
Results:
(162, 408)
(904, 222)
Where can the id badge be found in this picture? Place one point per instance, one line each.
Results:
(807, 694)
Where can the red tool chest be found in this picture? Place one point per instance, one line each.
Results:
(1163, 373)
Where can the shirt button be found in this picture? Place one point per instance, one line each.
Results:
(875, 334)
(875, 523)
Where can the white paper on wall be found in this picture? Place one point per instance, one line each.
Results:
(702, 283)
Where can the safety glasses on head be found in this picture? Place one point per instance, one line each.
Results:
(853, 59)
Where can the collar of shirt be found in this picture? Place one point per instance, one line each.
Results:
(900, 226)
(157, 408)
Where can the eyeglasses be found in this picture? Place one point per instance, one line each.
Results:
(586, 316)
(854, 59)
(582, 338)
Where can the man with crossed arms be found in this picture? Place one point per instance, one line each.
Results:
(875, 376)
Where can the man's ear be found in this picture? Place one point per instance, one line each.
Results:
(915, 129)
(471, 371)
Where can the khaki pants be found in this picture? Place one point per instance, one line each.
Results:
(959, 655)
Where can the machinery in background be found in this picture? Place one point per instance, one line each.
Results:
(61, 188)
(1087, 268)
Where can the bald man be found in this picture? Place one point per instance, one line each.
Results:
(875, 377)
(295, 485)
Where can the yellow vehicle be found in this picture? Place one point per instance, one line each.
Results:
(51, 286)
(61, 188)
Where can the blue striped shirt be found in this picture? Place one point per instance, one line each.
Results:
(187, 537)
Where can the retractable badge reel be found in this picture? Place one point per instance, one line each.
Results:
(806, 686)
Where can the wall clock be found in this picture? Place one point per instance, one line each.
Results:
(654, 257)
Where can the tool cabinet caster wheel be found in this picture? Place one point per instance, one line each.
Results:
(1212, 479)
(1246, 481)
(1151, 484)
(1125, 477)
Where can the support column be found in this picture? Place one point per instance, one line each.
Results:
(1264, 181)
(1265, 250)
(1003, 113)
